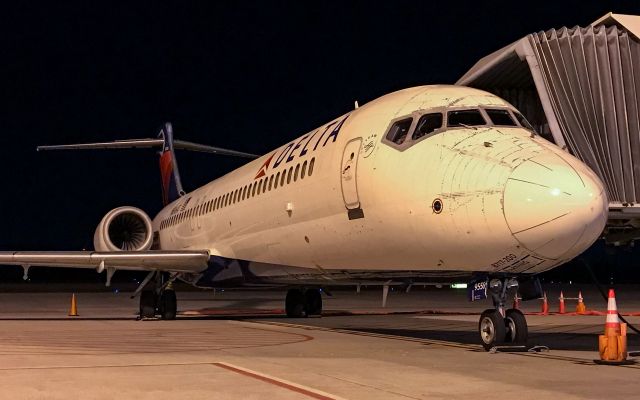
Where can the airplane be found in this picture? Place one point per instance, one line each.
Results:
(428, 182)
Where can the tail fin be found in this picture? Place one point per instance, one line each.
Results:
(171, 184)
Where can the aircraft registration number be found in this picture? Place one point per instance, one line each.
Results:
(504, 260)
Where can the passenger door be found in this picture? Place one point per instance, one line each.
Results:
(349, 174)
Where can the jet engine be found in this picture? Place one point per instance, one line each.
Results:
(124, 229)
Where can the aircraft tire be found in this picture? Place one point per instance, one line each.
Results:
(168, 305)
(492, 328)
(313, 302)
(516, 325)
(295, 304)
(147, 304)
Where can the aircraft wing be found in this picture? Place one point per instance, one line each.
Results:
(150, 260)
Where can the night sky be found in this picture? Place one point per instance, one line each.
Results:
(242, 75)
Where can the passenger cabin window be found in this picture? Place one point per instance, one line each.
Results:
(398, 132)
(427, 124)
(522, 120)
(465, 118)
(311, 164)
(501, 117)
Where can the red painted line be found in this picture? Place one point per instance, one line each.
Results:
(275, 382)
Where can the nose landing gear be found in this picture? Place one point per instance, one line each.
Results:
(492, 328)
(498, 326)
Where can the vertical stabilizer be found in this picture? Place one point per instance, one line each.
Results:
(171, 184)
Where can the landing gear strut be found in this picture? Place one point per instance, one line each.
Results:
(498, 326)
(161, 300)
(303, 303)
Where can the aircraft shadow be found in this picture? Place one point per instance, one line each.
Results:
(553, 340)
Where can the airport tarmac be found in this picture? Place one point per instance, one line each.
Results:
(238, 345)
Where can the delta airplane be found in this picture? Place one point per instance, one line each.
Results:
(425, 183)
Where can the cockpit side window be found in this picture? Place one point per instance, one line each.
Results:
(465, 118)
(427, 124)
(399, 130)
(500, 117)
(522, 120)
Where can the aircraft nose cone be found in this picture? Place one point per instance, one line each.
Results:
(555, 206)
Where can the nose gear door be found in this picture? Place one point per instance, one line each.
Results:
(349, 174)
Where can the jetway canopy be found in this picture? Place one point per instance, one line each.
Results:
(580, 87)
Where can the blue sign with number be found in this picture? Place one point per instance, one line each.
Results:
(477, 290)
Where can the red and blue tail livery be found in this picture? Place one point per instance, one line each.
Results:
(171, 185)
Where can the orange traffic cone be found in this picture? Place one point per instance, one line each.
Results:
(613, 344)
(561, 307)
(73, 311)
(545, 304)
(581, 308)
(516, 301)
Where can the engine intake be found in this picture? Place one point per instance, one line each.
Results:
(124, 229)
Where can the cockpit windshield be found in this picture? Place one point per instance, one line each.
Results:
(426, 124)
(523, 121)
(398, 132)
(501, 117)
(465, 118)
(405, 132)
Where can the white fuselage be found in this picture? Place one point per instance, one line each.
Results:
(486, 198)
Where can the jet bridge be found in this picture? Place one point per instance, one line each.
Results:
(580, 88)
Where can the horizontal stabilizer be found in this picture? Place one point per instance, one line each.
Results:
(148, 143)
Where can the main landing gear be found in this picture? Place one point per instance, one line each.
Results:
(160, 299)
(301, 303)
(498, 326)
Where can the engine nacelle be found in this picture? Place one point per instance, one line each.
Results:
(124, 229)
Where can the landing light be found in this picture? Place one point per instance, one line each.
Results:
(458, 286)
(555, 192)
